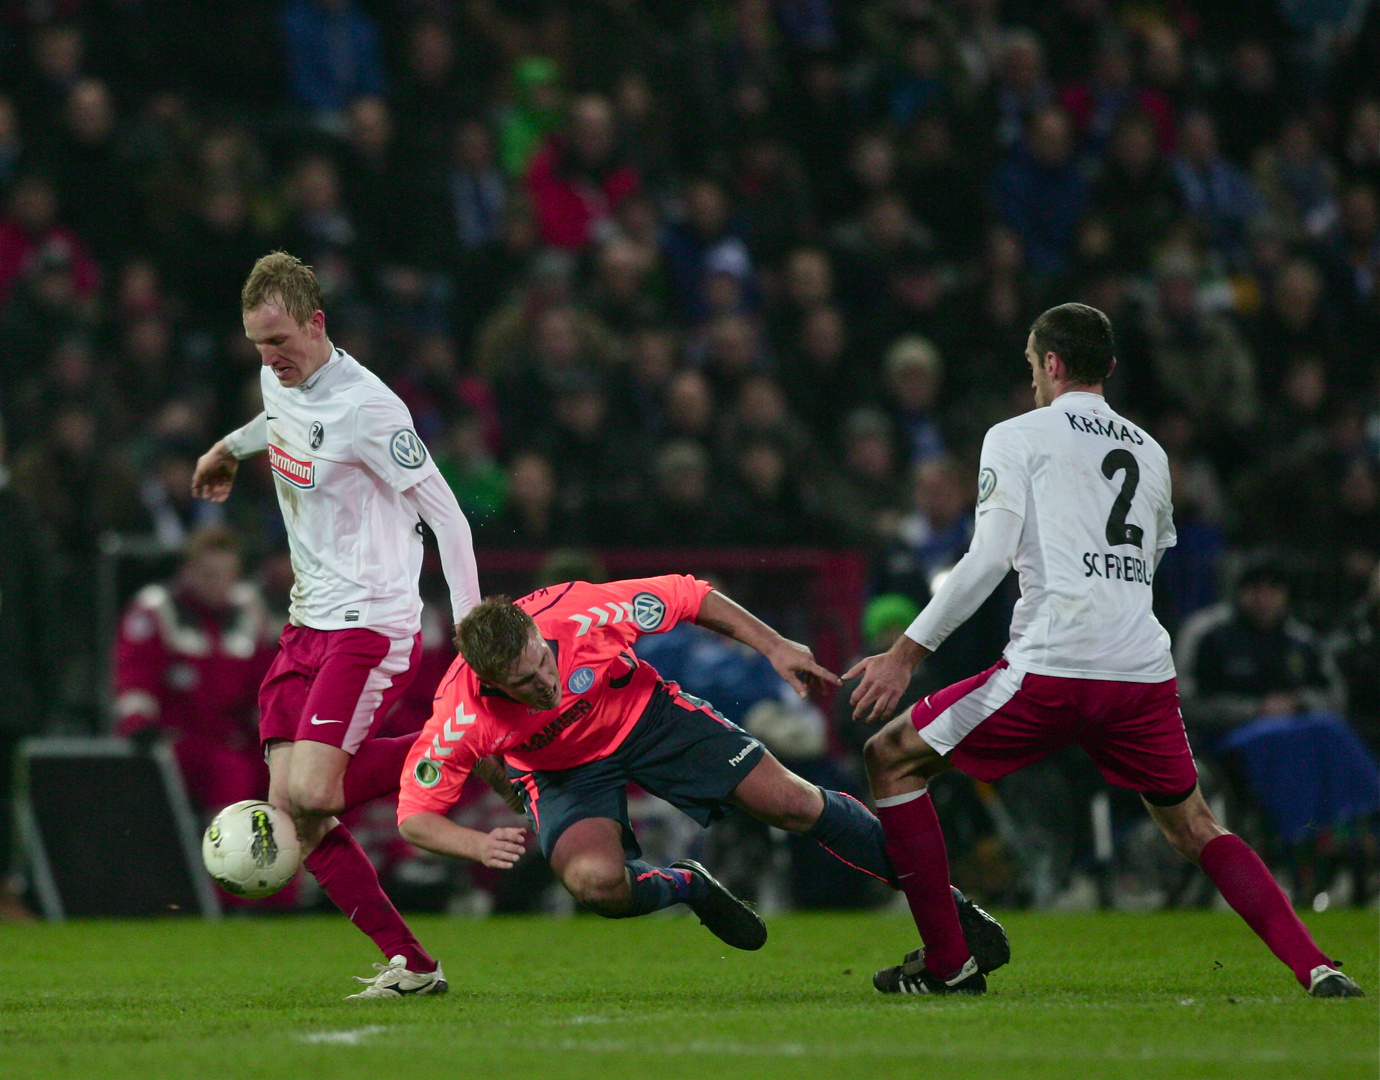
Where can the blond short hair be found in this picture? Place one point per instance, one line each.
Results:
(492, 637)
(284, 279)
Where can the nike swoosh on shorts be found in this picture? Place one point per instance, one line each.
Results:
(314, 720)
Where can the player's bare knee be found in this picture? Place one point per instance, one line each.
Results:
(1201, 832)
(1181, 840)
(896, 752)
(309, 797)
(793, 820)
(797, 810)
(599, 885)
(1188, 834)
(878, 756)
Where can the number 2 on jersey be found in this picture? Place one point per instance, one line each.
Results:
(1118, 531)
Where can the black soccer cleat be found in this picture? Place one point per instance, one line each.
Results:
(727, 918)
(986, 939)
(912, 977)
(1328, 982)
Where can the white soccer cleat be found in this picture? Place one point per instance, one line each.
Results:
(394, 980)
(1327, 981)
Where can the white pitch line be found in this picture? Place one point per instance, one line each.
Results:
(730, 1048)
(353, 1037)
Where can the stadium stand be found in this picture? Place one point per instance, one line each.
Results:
(672, 277)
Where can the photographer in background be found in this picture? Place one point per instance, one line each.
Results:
(189, 656)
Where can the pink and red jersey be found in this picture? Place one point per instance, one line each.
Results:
(604, 689)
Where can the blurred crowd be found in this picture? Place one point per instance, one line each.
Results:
(706, 272)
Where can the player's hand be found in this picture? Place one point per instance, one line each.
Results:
(502, 848)
(796, 664)
(215, 473)
(884, 679)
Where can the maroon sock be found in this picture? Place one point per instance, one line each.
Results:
(375, 769)
(916, 846)
(348, 877)
(1253, 893)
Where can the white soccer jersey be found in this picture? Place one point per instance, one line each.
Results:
(342, 451)
(1093, 492)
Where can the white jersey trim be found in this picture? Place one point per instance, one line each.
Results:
(957, 722)
(371, 697)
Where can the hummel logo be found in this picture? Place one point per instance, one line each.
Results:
(315, 720)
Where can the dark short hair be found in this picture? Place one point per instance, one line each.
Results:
(492, 636)
(1081, 336)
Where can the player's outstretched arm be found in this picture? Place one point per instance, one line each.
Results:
(215, 473)
(792, 660)
(885, 677)
(499, 848)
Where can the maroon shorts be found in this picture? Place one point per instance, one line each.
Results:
(1003, 720)
(334, 686)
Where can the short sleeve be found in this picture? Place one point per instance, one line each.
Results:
(444, 754)
(655, 604)
(386, 442)
(1004, 472)
(1168, 535)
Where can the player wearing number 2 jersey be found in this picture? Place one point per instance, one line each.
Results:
(354, 482)
(1077, 499)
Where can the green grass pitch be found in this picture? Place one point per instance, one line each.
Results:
(1086, 997)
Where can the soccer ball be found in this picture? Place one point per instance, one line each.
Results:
(251, 849)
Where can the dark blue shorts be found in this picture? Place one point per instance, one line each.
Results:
(681, 750)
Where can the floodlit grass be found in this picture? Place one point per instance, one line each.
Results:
(1086, 997)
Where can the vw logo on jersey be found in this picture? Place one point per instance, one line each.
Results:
(317, 434)
(407, 449)
(987, 483)
(647, 611)
(581, 679)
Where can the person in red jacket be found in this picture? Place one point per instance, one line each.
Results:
(189, 657)
(577, 182)
(31, 234)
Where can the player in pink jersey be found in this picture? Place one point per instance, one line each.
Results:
(551, 683)
(1077, 499)
(354, 481)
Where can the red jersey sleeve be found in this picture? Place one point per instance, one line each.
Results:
(445, 751)
(633, 606)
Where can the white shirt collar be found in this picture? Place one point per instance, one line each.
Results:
(1080, 394)
(307, 385)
